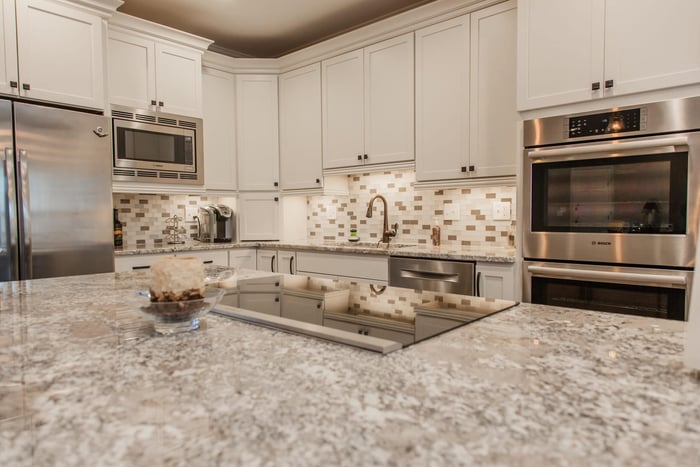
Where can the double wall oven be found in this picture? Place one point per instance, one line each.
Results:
(612, 208)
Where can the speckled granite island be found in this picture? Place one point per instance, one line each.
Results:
(83, 382)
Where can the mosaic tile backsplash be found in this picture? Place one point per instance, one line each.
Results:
(143, 216)
(331, 218)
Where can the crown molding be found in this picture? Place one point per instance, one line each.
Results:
(103, 8)
(153, 30)
(237, 65)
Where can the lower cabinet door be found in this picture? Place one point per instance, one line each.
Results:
(403, 338)
(268, 303)
(308, 310)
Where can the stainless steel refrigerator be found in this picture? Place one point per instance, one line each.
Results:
(56, 212)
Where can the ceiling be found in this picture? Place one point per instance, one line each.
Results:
(265, 28)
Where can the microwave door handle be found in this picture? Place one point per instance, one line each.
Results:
(662, 145)
(610, 276)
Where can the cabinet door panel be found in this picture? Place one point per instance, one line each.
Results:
(343, 110)
(496, 280)
(132, 71)
(300, 128)
(560, 51)
(286, 262)
(649, 45)
(257, 132)
(8, 48)
(493, 145)
(268, 303)
(61, 53)
(218, 106)
(442, 100)
(308, 310)
(267, 260)
(242, 258)
(258, 216)
(179, 80)
(389, 100)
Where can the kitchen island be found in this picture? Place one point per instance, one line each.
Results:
(83, 381)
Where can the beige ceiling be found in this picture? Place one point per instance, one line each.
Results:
(265, 28)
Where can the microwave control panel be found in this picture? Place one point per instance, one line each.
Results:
(607, 123)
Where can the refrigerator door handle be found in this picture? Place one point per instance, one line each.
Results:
(8, 245)
(25, 218)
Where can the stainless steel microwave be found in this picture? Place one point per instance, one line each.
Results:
(156, 147)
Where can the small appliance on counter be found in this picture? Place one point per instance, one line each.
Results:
(215, 224)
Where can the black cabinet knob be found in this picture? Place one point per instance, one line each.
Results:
(277, 299)
(13, 84)
(318, 180)
(464, 168)
(318, 306)
(595, 86)
(359, 157)
(276, 184)
(609, 83)
(160, 104)
(366, 157)
(472, 168)
(26, 86)
(153, 102)
(277, 198)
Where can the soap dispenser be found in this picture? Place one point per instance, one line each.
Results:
(435, 235)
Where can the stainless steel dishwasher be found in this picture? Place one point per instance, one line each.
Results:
(432, 274)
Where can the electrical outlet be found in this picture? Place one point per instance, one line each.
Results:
(331, 212)
(450, 211)
(501, 211)
(190, 213)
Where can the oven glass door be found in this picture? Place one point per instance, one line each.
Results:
(632, 194)
(657, 302)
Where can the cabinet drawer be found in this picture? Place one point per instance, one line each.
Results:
(308, 310)
(370, 268)
(268, 303)
(131, 263)
(403, 338)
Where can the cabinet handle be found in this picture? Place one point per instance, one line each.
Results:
(140, 267)
(26, 86)
(366, 157)
(276, 184)
(318, 180)
(13, 84)
(211, 261)
(277, 198)
(609, 83)
(318, 306)
(595, 86)
(160, 104)
(472, 168)
(291, 265)
(478, 282)
(277, 284)
(464, 169)
(272, 267)
(359, 157)
(277, 299)
(153, 102)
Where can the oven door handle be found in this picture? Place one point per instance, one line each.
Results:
(620, 277)
(662, 144)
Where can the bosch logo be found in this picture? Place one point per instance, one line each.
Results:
(594, 243)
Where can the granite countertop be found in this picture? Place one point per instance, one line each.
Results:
(82, 382)
(475, 253)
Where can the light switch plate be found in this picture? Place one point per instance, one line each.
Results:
(501, 211)
(450, 211)
(190, 212)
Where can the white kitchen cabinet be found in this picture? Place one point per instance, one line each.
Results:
(306, 309)
(268, 303)
(286, 261)
(242, 258)
(258, 216)
(571, 51)
(135, 262)
(60, 50)
(368, 105)
(364, 268)
(257, 135)
(465, 72)
(154, 75)
(219, 110)
(281, 261)
(367, 329)
(495, 280)
(301, 165)
(267, 260)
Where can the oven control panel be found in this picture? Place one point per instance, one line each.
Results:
(607, 123)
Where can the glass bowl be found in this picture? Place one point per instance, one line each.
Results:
(182, 316)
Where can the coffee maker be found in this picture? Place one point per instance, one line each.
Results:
(215, 224)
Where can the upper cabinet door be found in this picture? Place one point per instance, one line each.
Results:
(179, 80)
(132, 70)
(493, 122)
(651, 45)
(61, 53)
(442, 100)
(560, 51)
(257, 132)
(389, 104)
(300, 128)
(343, 110)
(219, 109)
(8, 48)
